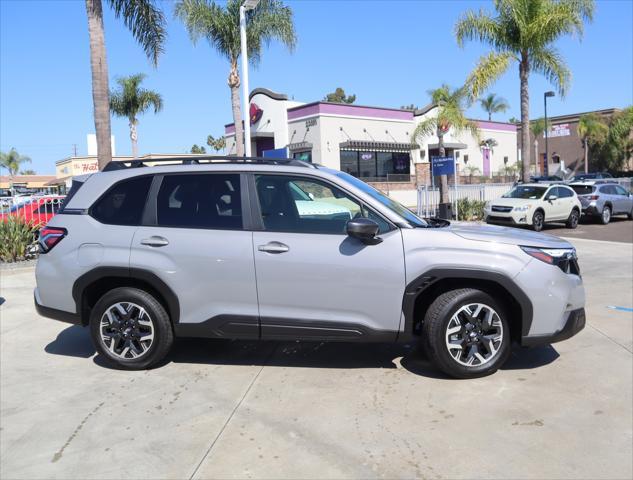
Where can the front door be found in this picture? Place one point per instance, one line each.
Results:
(555, 208)
(486, 155)
(196, 244)
(315, 282)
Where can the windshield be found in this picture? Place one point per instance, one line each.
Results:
(526, 192)
(401, 210)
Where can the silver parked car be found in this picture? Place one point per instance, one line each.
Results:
(603, 200)
(233, 248)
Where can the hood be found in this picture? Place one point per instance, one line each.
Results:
(513, 202)
(512, 236)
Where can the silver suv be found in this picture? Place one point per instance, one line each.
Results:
(602, 199)
(285, 250)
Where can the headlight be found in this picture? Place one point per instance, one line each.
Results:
(523, 208)
(550, 255)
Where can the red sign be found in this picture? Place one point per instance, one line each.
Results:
(255, 113)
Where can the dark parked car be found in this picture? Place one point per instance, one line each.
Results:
(581, 177)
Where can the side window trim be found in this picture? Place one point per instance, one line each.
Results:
(149, 218)
(258, 214)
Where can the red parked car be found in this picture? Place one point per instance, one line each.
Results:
(38, 210)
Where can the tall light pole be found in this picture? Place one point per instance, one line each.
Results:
(546, 163)
(246, 5)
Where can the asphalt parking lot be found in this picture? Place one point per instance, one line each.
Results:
(620, 229)
(222, 409)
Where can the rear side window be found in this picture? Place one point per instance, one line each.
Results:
(200, 201)
(123, 204)
(608, 190)
(565, 192)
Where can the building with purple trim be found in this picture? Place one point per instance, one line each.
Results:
(372, 143)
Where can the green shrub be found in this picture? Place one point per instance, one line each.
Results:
(17, 239)
(468, 209)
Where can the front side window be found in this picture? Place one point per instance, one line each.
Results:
(302, 205)
(565, 192)
(123, 204)
(200, 201)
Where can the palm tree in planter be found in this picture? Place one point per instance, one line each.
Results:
(471, 170)
(130, 101)
(147, 24)
(523, 32)
(537, 128)
(592, 130)
(492, 103)
(13, 161)
(450, 105)
(220, 25)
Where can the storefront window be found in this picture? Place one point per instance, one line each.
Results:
(402, 163)
(384, 164)
(349, 162)
(303, 156)
(367, 164)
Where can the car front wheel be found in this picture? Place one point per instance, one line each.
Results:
(466, 334)
(131, 329)
(538, 220)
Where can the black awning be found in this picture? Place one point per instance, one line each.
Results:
(373, 146)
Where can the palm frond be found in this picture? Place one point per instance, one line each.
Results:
(478, 26)
(489, 68)
(270, 20)
(424, 129)
(146, 22)
(549, 63)
(129, 100)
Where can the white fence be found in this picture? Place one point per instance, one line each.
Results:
(429, 197)
(35, 209)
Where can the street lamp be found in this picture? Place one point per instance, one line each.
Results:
(546, 163)
(246, 5)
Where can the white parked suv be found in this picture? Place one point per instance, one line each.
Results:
(285, 250)
(534, 204)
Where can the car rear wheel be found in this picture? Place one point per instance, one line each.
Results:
(131, 329)
(572, 220)
(606, 215)
(538, 219)
(465, 333)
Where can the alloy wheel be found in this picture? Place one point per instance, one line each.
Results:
(606, 215)
(474, 335)
(538, 222)
(127, 330)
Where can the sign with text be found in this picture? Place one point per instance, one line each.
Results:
(442, 166)
(561, 130)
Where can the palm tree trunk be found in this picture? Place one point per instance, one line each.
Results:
(538, 172)
(443, 178)
(234, 84)
(586, 155)
(99, 67)
(134, 138)
(489, 116)
(524, 72)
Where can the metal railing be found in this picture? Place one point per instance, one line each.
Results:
(429, 197)
(34, 209)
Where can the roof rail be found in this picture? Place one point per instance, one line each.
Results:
(204, 159)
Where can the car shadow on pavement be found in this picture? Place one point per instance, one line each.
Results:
(73, 341)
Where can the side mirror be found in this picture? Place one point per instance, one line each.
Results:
(552, 197)
(364, 230)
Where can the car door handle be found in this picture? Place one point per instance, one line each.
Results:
(273, 247)
(155, 241)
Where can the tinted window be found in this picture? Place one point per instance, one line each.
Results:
(608, 189)
(123, 204)
(564, 192)
(200, 201)
(301, 205)
(621, 190)
(583, 189)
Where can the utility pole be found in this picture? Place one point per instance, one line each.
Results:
(74, 149)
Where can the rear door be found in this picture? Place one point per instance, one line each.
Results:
(313, 280)
(193, 238)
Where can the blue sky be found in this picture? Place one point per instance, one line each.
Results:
(388, 53)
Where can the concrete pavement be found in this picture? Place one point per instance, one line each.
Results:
(223, 409)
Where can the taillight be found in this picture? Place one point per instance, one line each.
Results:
(50, 236)
(594, 197)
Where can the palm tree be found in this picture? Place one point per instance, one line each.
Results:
(147, 24)
(12, 161)
(592, 130)
(130, 101)
(450, 115)
(492, 103)
(523, 32)
(220, 25)
(538, 127)
(28, 171)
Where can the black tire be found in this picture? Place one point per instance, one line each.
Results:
(605, 218)
(572, 220)
(163, 335)
(434, 333)
(538, 220)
